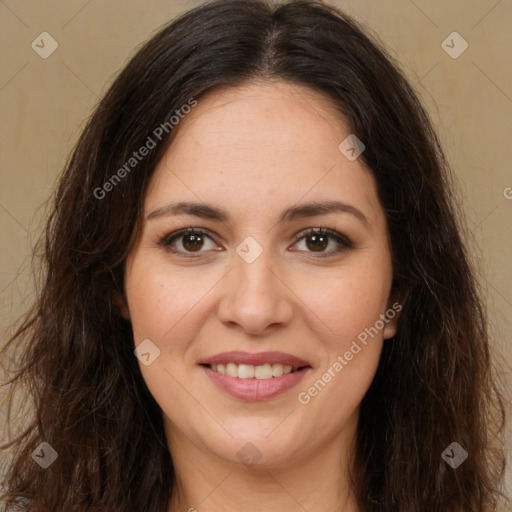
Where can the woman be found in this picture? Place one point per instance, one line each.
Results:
(256, 293)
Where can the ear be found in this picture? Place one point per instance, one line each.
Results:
(122, 305)
(391, 317)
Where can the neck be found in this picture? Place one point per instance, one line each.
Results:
(317, 480)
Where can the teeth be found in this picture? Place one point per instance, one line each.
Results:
(277, 370)
(248, 371)
(232, 370)
(263, 372)
(245, 371)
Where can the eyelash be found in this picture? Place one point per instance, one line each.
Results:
(343, 241)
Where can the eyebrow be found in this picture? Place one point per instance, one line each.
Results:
(305, 210)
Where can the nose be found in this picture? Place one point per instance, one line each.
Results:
(255, 297)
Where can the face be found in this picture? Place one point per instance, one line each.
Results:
(261, 267)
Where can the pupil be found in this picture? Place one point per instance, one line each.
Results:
(192, 242)
(319, 242)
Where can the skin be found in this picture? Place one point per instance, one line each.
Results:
(253, 151)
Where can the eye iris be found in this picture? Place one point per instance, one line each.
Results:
(192, 242)
(319, 242)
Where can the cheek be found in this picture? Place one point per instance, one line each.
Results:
(162, 301)
(165, 307)
(344, 306)
(345, 317)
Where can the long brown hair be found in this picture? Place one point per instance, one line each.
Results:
(435, 382)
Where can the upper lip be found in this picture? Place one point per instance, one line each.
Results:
(255, 358)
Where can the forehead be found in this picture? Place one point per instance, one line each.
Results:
(278, 115)
(258, 144)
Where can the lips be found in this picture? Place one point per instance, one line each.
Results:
(254, 389)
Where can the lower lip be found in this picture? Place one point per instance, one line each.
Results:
(255, 389)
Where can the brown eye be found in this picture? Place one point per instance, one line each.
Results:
(187, 241)
(192, 242)
(317, 242)
(319, 239)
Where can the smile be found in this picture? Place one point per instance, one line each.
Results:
(254, 376)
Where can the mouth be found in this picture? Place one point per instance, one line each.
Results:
(254, 376)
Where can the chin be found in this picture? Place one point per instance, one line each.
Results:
(255, 447)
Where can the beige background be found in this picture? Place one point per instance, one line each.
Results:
(44, 103)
